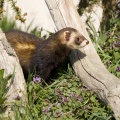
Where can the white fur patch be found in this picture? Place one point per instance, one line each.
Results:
(71, 43)
(83, 44)
(67, 35)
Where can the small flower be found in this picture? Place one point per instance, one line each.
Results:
(36, 79)
(89, 88)
(85, 107)
(80, 99)
(58, 92)
(65, 99)
(118, 69)
(76, 96)
(73, 94)
(46, 109)
(116, 44)
(108, 63)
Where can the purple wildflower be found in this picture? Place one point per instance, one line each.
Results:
(118, 69)
(89, 88)
(58, 92)
(46, 109)
(36, 79)
(73, 94)
(65, 99)
(85, 107)
(116, 44)
(80, 99)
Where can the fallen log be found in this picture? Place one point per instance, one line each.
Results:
(17, 88)
(86, 62)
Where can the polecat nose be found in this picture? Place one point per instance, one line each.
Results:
(87, 42)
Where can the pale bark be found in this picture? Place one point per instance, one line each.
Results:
(95, 16)
(87, 63)
(10, 62)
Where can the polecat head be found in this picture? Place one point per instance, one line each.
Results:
(73, 39)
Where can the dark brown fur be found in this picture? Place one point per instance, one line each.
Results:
(24, 45)
(51, 54)
(44, 56)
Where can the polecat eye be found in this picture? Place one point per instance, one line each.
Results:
(77, 41)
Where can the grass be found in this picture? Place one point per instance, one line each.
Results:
(107, 45)
(67, 98)
(7, 24)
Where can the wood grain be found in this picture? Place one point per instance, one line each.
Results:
(10, 62)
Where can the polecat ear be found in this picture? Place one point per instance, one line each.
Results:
(67, 35)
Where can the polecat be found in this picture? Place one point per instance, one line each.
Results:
(44, 56)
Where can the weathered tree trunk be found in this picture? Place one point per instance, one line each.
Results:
(10, 62)
(95, 16)
(87, 63)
